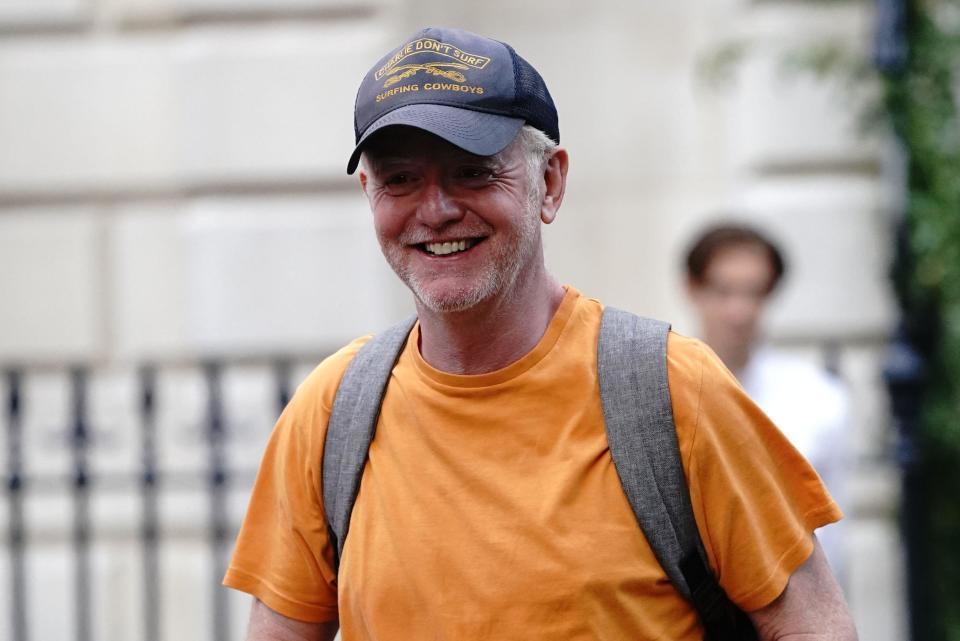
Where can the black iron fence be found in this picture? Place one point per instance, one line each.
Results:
(148, 481)
(150, 478)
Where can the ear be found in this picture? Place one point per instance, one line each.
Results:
(362, 175)
(555, 182)
(365, 183)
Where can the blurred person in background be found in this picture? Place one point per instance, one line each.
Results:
(733, 271)
(490, 506)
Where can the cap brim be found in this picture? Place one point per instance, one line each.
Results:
(478, 132)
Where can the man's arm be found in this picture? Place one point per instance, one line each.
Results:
(811, 608)
(268, 625)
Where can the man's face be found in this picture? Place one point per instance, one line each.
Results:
(458, 229)
(731, 297)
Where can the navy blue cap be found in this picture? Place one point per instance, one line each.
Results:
(473, 92)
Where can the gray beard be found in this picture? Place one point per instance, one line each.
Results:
(499, 275)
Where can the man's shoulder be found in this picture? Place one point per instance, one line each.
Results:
(321, 384)
(698, 381)
(687, 357)
(683, 345)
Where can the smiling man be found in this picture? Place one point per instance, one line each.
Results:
(486, 502)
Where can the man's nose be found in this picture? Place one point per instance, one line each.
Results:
(436, 207)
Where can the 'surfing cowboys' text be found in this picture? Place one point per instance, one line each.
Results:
(397, 90)
(430, 86)
(443, 86)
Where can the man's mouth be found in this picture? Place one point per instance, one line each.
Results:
(448, 247)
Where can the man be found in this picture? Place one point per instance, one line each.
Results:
(732, 272)
(489, 506)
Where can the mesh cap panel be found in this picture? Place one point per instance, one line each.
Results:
(533, 101)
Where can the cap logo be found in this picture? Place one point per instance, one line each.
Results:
(460, 61)
(433, 68)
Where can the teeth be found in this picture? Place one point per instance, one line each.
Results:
(442, 249)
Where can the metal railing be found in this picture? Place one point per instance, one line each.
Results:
(213, 478)
(84, 479)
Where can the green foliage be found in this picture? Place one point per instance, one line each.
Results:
(920, 101)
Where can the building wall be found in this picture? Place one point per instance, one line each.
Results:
(172, 190)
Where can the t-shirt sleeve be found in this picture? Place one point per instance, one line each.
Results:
(755, 498)
(283, 555)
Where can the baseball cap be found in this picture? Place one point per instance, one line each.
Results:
(472, 91)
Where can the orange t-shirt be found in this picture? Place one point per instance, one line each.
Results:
(490, 507)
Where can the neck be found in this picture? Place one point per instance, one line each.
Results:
(493, 334)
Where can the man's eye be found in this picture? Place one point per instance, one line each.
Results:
(397, 179)
(474, 173)
(399, 183)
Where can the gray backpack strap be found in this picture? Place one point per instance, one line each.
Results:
(632, 368)
(352, 424)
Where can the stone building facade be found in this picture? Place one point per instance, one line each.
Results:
(173, 194)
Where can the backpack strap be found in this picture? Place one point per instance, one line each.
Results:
(352, 424)
(632, 370)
